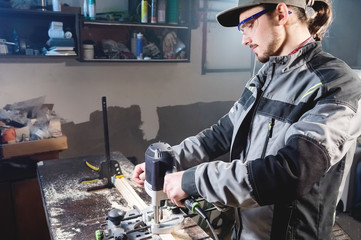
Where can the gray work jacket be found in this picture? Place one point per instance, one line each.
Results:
(291, 138)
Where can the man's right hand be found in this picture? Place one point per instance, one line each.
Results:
(139, 175)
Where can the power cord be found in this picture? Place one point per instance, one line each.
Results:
(195, 207)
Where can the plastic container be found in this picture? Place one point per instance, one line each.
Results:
(88, 51)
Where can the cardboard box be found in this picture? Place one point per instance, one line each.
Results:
(34, 147)
(69, 9)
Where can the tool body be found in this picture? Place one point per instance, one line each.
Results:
(155, 219)
(159, 161)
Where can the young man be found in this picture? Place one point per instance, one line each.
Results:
(291, 135)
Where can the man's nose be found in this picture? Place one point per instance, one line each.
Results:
(245, 39)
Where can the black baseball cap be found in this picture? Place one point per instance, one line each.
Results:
(230, 17)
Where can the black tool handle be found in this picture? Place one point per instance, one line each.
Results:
(105, 126)
(106, 139)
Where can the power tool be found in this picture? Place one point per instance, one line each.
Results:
(159, 161)
(155, 219)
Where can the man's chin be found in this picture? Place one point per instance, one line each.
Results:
(262, 59)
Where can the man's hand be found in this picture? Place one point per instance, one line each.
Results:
(139, 175)
(173, 188)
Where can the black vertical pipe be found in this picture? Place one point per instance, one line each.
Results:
(106, 138)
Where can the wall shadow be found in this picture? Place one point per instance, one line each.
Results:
(126, 136)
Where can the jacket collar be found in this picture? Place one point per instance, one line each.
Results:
(304, 54)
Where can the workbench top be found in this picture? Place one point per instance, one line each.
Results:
(72, 212)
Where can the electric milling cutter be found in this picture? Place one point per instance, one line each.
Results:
(135, 224)
(159, 161)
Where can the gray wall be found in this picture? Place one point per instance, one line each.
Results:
(137, 93)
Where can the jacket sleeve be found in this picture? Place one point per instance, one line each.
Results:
(205, 146)
(311, 148)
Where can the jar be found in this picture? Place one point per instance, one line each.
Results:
(3, 47)
(88, 51)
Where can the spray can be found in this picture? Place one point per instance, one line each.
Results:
(153, 16)
(91, 9)
(139, 46)
(162, 5)
(144, 11)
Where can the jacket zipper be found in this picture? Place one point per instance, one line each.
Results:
(269, 135)
(258, 99)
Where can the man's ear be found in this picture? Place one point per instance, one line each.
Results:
(282, 13)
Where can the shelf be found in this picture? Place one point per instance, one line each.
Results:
(134, 60)
(144, 25)
(114, 40)
(32, 28)
(34, 13)
(121, 33)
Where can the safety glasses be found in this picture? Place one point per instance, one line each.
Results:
(248, 24)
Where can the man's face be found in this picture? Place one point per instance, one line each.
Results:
(261, 34)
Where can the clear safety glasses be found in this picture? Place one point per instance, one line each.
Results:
(248, 25)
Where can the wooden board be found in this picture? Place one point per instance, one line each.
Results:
(34, 147)
(127, 191)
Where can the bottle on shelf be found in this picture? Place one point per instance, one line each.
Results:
(162, 5)
(56, 5)
(172, 11)
(139, 46)
(91, 9)
(153, 18)
(85, 8)
(144, 11)
(133, 44)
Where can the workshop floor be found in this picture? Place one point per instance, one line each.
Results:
(346, 228)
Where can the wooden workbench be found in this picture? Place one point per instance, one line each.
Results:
(73, 213)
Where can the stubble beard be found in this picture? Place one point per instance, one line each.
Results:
(272, 48)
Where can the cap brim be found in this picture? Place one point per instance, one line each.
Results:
(230, 17)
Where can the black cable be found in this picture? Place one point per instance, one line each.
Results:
(195, 207)
(212, 229)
